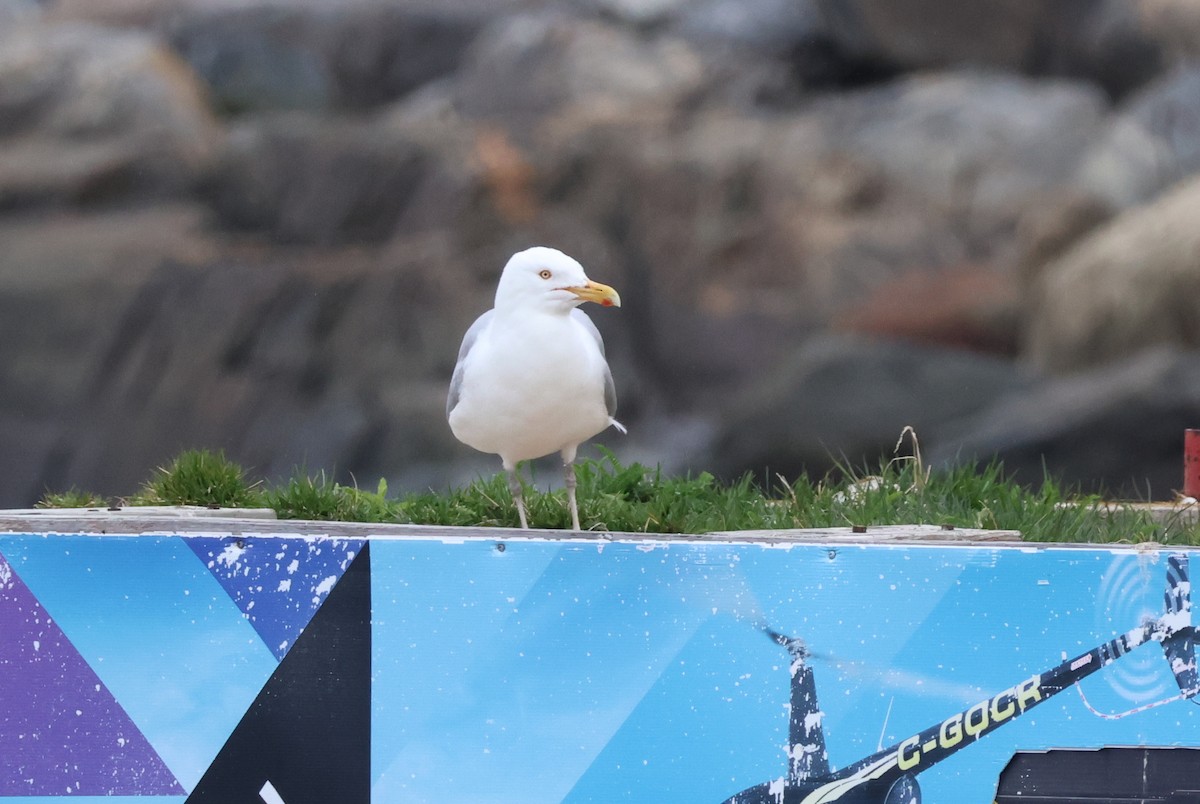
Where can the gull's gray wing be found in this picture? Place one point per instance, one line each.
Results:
(610, 389)
(468, 341)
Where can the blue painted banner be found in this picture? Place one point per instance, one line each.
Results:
(308, 669)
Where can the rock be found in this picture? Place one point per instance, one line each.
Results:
(855, 191)
(1108, 42)
(16, 12)
(776, 27)
(971, 143)
(1152, 143)
(1075, 39)
(641, 13)
(845, 401)
(65, 280)
(91, 114)
(165, 339)
(1051, 224)
(532, 65)
(1117, 430)
(768, 53)
(1130, 285)
(964, 307)
(282, 56)
(930, 33)
(301, 178)
(1175, 23)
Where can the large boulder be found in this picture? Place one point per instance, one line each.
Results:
(88, 113)
(843, 401)
(967, 307)
(301, 178)
(163, 338)
(308, 54)
(972, 144)
(1104, 41)
(530, 66)
(1118, 429)
(64, 282)
(1175, 23)
(1152, 143)
(18, 12)
(778, 27)
(1130, 285)
(271, 56)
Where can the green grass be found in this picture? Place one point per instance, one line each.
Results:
(199, 477)
(636, 498)
(72, 498)
(307, 497)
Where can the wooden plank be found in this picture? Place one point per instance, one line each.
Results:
(132, 521)
(874, 534)
(141, 511)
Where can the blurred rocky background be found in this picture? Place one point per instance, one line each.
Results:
(263, 227)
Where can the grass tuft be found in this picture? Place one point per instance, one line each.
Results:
(199, 477)
(307, 497)
(71, 498)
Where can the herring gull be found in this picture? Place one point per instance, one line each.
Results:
(531, 377)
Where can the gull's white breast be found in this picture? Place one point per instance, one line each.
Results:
(532, 384)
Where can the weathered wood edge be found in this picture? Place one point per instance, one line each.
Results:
(126, 523)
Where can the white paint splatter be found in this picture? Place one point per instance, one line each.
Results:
(231, 556)
(813, 721)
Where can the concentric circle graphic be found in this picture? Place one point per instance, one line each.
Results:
(1131, 593)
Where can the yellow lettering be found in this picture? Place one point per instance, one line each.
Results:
(950, 733)
(976, 719)
(1029, 692)
(998, 713)
(908, 755)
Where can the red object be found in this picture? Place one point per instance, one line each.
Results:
(1191, 463)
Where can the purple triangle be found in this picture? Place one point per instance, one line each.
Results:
(62, 732)
(277, 583)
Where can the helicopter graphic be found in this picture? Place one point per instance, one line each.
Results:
(890, 775)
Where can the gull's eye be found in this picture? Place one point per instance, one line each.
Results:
(544, 273)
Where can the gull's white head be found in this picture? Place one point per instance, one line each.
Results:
(545, 278)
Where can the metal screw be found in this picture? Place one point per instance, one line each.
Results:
(858, 529)
(500, 547)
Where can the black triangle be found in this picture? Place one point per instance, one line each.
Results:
(308, 733)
